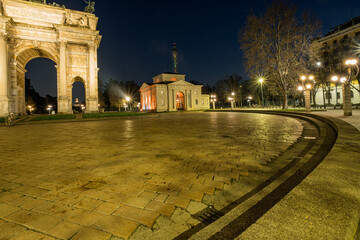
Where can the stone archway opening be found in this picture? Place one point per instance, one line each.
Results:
(40, 85)
(180, 101)
(42, 74)
(78, 94)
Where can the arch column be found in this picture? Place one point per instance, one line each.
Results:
(4, 76)
(92, 99)
(63, 98)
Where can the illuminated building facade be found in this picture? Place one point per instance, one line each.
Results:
(341, 43)
(170, 92)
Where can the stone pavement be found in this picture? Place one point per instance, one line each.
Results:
(106, 179)
(339, 114)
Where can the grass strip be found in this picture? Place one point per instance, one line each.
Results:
(53, 117)
(117, 114)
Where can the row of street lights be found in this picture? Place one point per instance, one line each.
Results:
(344, 80)
(231, 99)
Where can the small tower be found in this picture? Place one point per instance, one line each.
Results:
(174, 54)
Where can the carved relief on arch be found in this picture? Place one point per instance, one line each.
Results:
(39, 49)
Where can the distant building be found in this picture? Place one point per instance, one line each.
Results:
(170, 92)
(342, 42)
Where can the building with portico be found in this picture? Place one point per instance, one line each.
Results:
(170, 92)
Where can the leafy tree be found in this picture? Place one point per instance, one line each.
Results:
(278, 45)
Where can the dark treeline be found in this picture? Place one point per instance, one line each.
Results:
(39, 103)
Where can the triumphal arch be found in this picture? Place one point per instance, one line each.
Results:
(32, 29)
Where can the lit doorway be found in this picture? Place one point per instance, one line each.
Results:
(180, 101)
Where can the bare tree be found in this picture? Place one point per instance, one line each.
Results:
(278, 45)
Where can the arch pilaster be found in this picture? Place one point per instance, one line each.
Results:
(4, 75)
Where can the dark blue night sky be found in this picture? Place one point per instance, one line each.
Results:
(138, 36)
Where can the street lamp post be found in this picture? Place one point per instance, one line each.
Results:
(31, 109)
(128, 99)
(49, 108)
(307, 88)
(335, 79)
(261, 80)
(82, 108)
(346, 81)
(233, 101)
(213, 101)
(249, 100)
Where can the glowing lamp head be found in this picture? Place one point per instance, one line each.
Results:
(343, 79)
(261, 80)
(127, 98)
(233, 94)
(250, 97)
(351, 62)
(318, 64)
(308, 86)
(303, 78)
(300, 88)
(334, 78)
(311, 77)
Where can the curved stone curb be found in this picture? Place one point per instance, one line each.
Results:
(325, 205)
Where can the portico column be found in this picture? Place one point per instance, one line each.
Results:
(93, 98)
(4, 81)
(63, 100)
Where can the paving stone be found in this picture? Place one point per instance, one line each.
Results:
(117, 226)
(49, 186)
(30, 202)
(169, 189)
(148, 195)
(68, 198)
(195, 207)
(107, 208)
(30, 191)
(192, 194)
(88, 204)
(82, 217)
(64, 230)
(178, 201)
(136, 202)
(141, 216)
(33, 220)
(49, 208)
(8, 230)
(91, 234)
(160, 207)
(31, 235)
(203, 188)
(8, 197)
(161, 197)
(216, 184)
(6, 209)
